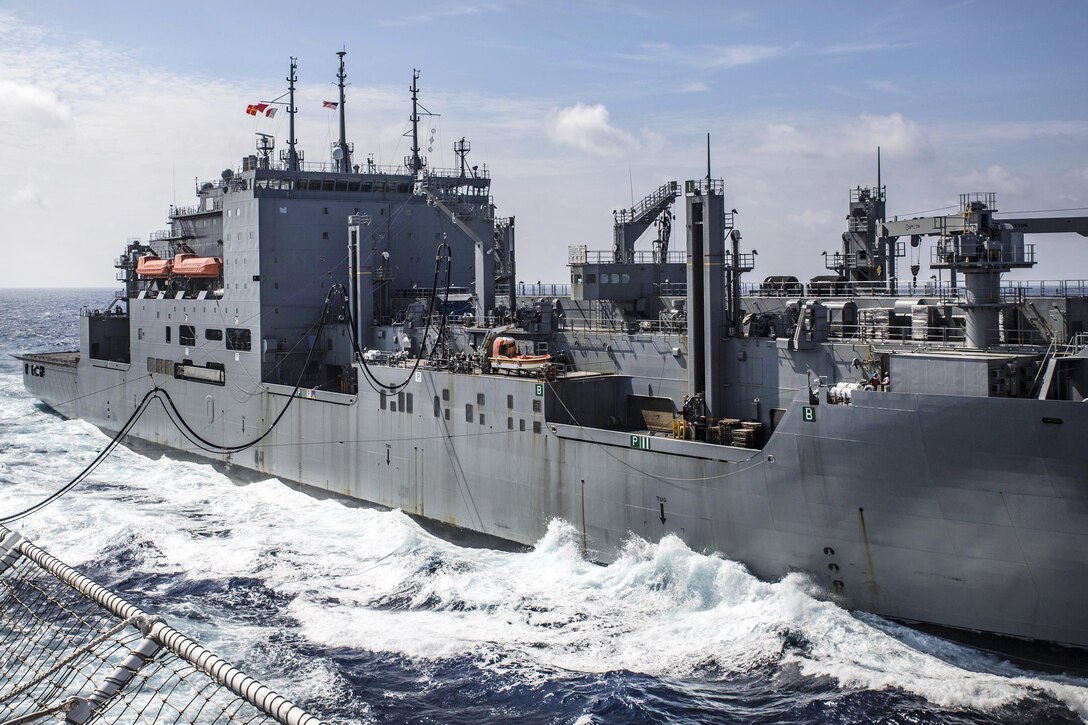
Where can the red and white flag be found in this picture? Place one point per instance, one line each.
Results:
(254, 108)
(330, 104)
(271, 111)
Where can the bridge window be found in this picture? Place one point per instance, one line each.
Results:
(186, 335)
(238, 338)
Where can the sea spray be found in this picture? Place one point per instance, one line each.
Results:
(365, 616)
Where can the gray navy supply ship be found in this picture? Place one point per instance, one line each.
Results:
(917, 449)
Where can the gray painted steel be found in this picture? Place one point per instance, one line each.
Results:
(959, 497)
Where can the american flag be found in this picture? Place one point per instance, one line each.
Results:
(330, 104)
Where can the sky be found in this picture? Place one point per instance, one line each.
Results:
(110, 111)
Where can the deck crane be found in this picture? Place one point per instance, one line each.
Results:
(983, 247)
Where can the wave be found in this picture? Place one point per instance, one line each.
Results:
(321, 574)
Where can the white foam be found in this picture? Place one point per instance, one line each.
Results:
(375, 580)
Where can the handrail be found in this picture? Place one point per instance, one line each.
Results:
(260, 696)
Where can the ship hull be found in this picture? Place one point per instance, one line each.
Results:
(958, 511)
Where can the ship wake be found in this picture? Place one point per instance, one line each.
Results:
(318, 584)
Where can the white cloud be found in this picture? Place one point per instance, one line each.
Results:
(849, 48)
(28, 195)
(846, 92)
(584, 160)
(785, 139)
(812, 218)
(886, 87)
(694, 87)
(34, 103)
(896, 136)
(1012, 131)
(707, 56)
(588, 128)
(994, 178)
(451, 11)
(736, 55)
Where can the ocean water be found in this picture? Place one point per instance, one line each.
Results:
(360, 615)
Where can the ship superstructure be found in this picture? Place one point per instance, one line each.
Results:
(915, 448)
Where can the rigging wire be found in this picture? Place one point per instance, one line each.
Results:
(1043, 211)
(996, 211)
(926, 211)
(78, 397)
(385, 439)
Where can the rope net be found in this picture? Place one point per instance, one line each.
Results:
(64, 655)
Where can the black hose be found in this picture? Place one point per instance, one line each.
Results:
(372, 380)
(102, 455)
(175, 417)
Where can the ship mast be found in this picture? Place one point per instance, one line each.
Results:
(343, 163)
(416, 162)
(888, 245)
(461, 148)
(292, 154)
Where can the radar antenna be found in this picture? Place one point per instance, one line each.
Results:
(266, 144)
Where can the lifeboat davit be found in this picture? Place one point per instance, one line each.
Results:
(190, 265)
(151, 266)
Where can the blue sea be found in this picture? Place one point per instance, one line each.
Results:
(361, 615)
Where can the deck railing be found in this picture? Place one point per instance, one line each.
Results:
(76, 650)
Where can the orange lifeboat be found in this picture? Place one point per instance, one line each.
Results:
(504, 347)
(190, 265)
(151, 266)
(504, 356)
